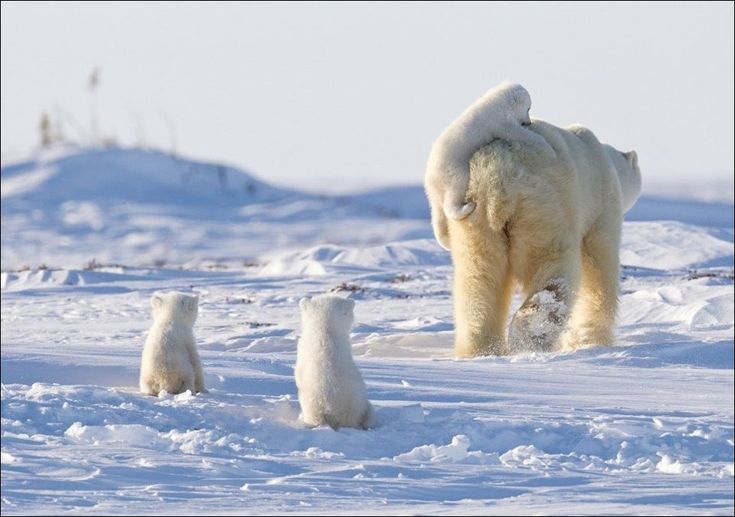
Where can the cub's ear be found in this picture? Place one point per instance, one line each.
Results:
(632, 158)
(519, 95)
(304, 303)
(156, 302)
(517, 98)
(350, 303)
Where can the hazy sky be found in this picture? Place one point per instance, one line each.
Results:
(339, 96)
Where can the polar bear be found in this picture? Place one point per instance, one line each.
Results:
(331, 389)
(502, 113)
(551, 225)
(170, 359)
(626, 165)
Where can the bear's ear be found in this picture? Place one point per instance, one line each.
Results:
(304, 303)
(188, 303)
(519, 96)
(350, 304)
(193, 303)
(632, 158)
(156, 302)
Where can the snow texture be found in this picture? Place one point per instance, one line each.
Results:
(645, 427)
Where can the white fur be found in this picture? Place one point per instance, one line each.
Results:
(331, 389)
(170, 359)
(626, 165)
(501, 113)
(550, 225)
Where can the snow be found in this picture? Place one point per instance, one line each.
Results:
(645, 427)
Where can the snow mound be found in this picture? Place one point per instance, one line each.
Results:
(293, 267)
(674, 245)
(63, 207)
(423, 252)
(453, 452)
(16, 281)
(131, 175)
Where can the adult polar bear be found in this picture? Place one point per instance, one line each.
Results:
(550, 224)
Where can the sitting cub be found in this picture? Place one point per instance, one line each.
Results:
(331, 390)
(170, 358)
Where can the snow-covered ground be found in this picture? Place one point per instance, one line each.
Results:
(645, 427)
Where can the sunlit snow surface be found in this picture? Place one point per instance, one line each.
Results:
(642, 427)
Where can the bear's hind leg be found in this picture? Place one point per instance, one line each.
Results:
(482, 287)
(188, 384)
(147, 388)
(539, 322)
(196, 364)
(550, 294)
(368, 417)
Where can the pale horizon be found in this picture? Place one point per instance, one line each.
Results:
(338, 97)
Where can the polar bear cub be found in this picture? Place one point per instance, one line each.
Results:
(501, 113)
(331, 389)
(170, 359)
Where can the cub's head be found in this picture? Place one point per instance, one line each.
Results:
(328, 312)
(516, 99)
(182, 306)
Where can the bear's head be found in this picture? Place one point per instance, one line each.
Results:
(632, 158)
(328, 313)
(180, 306)
(516, 98)
(629, 174)
(623, 162)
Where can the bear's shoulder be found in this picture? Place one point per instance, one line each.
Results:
(582, 132)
